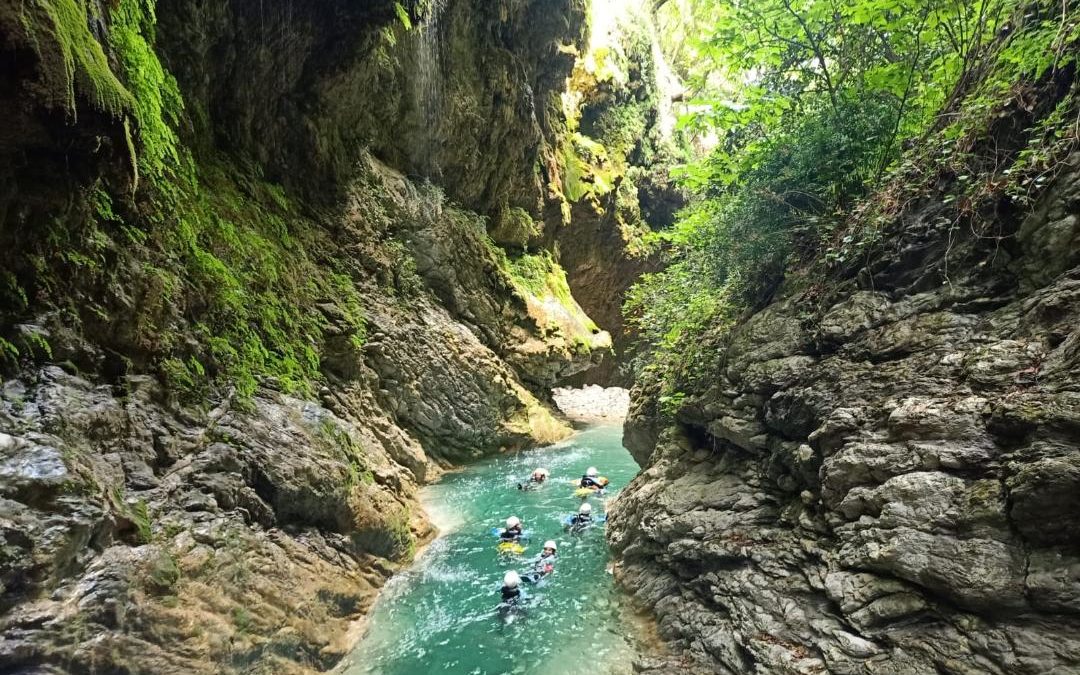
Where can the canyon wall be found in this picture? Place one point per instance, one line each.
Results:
(878, 472)
(265, 271)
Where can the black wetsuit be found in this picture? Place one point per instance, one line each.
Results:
(511, 533)
(511, 595)
(590, 482)
(581, 520)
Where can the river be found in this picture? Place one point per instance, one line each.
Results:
(439, 616)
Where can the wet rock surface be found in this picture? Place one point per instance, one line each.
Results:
(884, 484)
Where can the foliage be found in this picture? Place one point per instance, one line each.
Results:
(227, 246)
(135, 512)
(808, 104)
(359, 471)
(242, 619)
(8, 351)
(402, 542)
(164, 572)
(244, 258)
(587, 169)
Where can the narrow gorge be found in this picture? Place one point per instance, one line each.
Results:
(283, 282)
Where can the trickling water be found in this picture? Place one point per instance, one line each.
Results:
(440, 616)
(427, 86)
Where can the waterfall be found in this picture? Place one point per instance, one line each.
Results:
(427, 88)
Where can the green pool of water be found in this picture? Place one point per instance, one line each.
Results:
(440, 616)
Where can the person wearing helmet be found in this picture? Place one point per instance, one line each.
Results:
(544, 564)
(537, 479)
(582, 519)
(513, 529)
(511, 591)
(590, 480)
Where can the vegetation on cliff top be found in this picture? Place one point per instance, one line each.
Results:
(812, 105)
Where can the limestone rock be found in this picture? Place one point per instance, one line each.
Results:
(887, 484)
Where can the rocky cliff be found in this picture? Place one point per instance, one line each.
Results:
(617, 188)
(252, 298)
(879, 473)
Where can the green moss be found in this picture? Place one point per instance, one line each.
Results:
(223, 272)
(349, 303)
(406, 281)
(73, 64)
(241, 619)
(514, 228)
(239, 246)
(164, 573)
(403, 546)
(184, 376)
(530, 272)
(157, 100)
(609, 113)
(359, 471)
(539, 275)
(135, 512)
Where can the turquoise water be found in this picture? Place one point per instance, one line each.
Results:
(440, 616)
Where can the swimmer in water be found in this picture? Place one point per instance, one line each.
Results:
(544, 564)
(582, 519)
(511, 591)
(591, 481)
(513, 530)
(536, 479)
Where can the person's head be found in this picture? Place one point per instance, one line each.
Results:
(513, 521)
(591, 472)
(540, 474)
(550, 547)
(585, 509)
(511, 579)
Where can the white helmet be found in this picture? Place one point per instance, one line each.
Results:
(585, 509)
(591, 471)
(513, 521)
(550, 543)
(511, 579)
